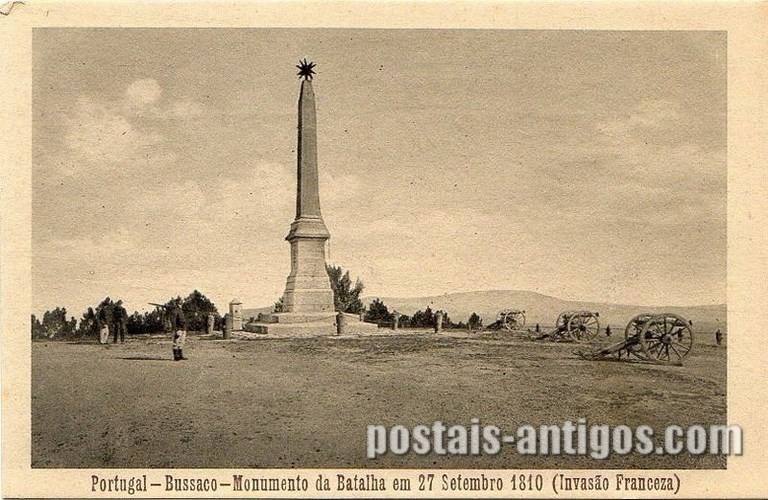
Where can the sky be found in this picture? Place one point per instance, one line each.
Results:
(585, 165)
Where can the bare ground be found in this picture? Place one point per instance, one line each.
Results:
(306, 403)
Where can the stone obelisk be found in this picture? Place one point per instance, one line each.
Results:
(308, 288)
(308, 308)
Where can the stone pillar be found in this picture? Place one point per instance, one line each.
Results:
(438, 321)
(341, 323)
(226, 326)
(236, 315)
(308, 288)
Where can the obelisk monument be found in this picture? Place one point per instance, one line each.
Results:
(308, 308)
(308, 288)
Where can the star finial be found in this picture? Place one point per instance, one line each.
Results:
(305, 69)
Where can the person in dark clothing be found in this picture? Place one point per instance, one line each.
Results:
(178, 330)
(120, 317)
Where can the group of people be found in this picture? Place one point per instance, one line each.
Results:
(117, 319)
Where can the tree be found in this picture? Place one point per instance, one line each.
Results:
(37, 328)
(278, 307)
(346, 298)
(136, 324)
(405, 321)
(154, 321)
(196, 308)
(447, 323)
(378, 312)
(87, 326)
(71, 327)
(423, 319)
(475, 322)
(427, 319)
(54, 325)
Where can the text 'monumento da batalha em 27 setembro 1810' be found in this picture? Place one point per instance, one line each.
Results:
(308, 307)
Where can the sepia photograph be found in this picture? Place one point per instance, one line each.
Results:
(483, 221)
(349, 259)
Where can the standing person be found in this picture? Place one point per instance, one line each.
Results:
(104, 322)
(438, 321)
(103, 328)
(608, 331)
(178, 330)
(120, 316)
(719, 337)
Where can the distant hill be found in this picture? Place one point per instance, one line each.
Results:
(544, 310)
(252, 313)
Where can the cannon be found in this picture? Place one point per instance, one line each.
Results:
(574, 326)
(663, 338)
(509, 319)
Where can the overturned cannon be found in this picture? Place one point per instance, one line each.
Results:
(574, 326)
(509, 319)
(663, 338)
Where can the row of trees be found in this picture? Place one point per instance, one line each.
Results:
(55, 325)
(196, 306)
(378, 312)
(347, 298)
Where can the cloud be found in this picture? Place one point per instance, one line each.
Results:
(185, 109)
(121, 240)
(651, 121)
(337, 191)
(267, 192)
(656, 113)
(178, 201)
(102, 135)
(654, 160)
(143, 93)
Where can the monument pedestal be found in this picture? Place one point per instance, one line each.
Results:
(308, 288)
(306, 325)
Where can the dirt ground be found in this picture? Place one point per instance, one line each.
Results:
(306, 403)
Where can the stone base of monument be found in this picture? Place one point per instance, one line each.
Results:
(276, 325)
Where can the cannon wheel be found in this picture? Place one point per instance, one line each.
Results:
(514, 320)
(561, 326)
(583, 327)
(633, 330)
(635, 326)
(666, 338)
